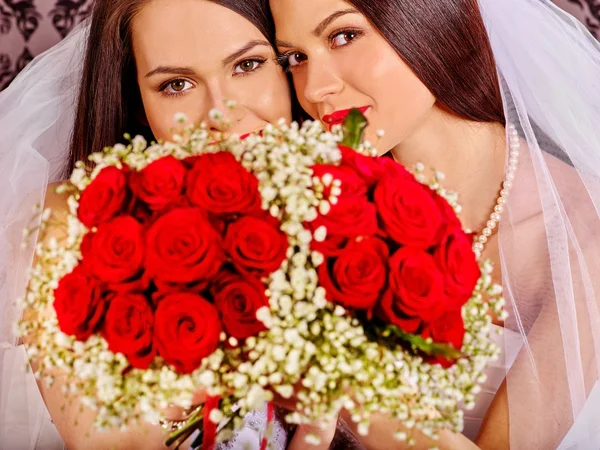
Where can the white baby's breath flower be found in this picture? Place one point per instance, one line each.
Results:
(78, 176)
(320, 234)
(264, 315)
(216, 416)
(139, 143)
(256, 397)
(327, 179)
(215, 114)
(180, 118)
(324, 207)
(400, 436)
(312, 439)
(207, 378)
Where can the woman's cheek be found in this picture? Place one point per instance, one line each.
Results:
(157, 122)
(273, 103)
(160, 114)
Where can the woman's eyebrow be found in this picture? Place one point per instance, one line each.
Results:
(246, 48)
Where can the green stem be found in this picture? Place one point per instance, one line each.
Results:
(353, 129)
(193, 423)
(182, 440)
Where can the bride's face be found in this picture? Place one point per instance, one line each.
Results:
(195, 55)
(339, 60)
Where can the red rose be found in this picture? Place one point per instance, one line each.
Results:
(183, 247)
(79, 302)
(452, 221)
(128, 329)
(417, 289)
(368, 168)
(390, 311)
(87, 243)
(219, 184)
(333, 244)
(115, 253)
(357, 277)
(350, 218)
(256, 245)
(409, 212)
(103, 198)
(159, 183)
(187, 329)
(459, 266)
(237, 299)
(162, 289)
(351, 184)
(448, 329)
(390, 167)
(141, 211)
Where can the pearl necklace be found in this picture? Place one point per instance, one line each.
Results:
(514, 144)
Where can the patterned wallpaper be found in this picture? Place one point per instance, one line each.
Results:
(28, 27)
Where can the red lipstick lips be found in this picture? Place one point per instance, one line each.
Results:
(337, 117)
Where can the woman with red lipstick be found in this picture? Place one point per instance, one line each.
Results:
(490, 93)
(131, 69)
(338, 117)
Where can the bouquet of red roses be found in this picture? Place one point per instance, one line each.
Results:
(284, 263)
(395, 254)
(174, 255)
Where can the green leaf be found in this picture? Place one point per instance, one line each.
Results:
(353, 129)
(422, 345)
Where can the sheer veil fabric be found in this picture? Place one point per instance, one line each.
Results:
(549, 236)
(36, 119)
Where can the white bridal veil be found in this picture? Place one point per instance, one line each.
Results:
(36, 118)
(549, 67)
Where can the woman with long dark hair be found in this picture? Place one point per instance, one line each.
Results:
(129, 70)
(503, 97)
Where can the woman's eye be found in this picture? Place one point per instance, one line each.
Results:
(296, 58)
(247, 66)
(343, 38)
(177, 87)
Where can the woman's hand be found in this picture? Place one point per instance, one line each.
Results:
(325, 432)
(176, 413)
(383, 428)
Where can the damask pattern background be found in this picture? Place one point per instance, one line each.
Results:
(28, 27)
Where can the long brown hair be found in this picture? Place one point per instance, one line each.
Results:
(109, 102)
(446, 45)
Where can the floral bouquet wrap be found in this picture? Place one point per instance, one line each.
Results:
(286, 263)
